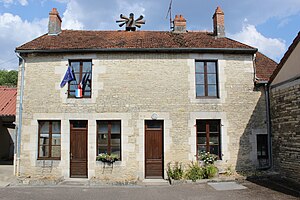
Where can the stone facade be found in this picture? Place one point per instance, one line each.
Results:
(285, 115)
(131, 87)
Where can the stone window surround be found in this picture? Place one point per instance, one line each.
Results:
(194, 116)
(221, 65)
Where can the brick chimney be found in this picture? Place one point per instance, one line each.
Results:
(179, 24)
(218, 20)
(54, 26)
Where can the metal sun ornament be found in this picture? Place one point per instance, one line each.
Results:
(131, 24)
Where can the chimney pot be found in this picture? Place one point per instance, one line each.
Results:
(179, 24)
(218, 21)
(54, 26)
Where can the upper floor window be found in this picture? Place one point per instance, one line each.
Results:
(82, 85)
(208, 137)
(49, 140)
(206, 79)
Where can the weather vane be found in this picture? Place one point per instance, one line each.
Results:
(131, 24)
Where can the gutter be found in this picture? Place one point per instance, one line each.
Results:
(152, 50)
(19, 125)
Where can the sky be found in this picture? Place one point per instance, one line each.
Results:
(269, 25)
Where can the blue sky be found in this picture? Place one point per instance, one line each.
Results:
(269, 25)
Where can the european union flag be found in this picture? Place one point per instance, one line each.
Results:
(69, 76)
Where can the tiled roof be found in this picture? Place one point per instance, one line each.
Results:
(286, 56)
(264, 67)
(8, 99)
(73, 40)
(70, 40)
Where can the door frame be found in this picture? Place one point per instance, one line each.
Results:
(163, 145)
(87, 129)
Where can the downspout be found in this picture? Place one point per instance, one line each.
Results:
(19, 126)
(268, 120)
(267, 97)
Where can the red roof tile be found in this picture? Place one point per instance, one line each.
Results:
(70, 40)
(264, 67)
(8, 99)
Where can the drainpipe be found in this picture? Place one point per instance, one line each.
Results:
(268, 119)
(19, 126)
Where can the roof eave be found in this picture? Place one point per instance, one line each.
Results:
(152, 50)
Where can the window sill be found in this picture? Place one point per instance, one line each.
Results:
(48, 158)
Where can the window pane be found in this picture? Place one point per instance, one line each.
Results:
(199, 67)
(213, 140)
(116, 150)
(55, 139)
(154, 124)
(103, 127)
(44, 127)
(200, 92)
(55, 151)
(44, 151)
(201, 126)
(199, 78)
(214, 149)
(55, 127)
(211, 67)
(103, 138)
(214, 126)
(44, 139)
(102, 149)
(202, 140)
(87, 67)
(211, 79)
(201, 149)
(115, 127)
(75, 66)
(79, 124)
(212, 90)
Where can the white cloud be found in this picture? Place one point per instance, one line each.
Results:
(272, 47)
(14, 32)
(7, 3)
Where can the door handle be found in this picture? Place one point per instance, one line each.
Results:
(71, 156)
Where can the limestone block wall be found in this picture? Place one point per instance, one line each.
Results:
(131, 87)
(285, 115)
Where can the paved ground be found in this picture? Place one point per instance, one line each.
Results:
(264, 189)
(6, 174)
(184, 191)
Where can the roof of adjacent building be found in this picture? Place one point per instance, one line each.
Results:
(285, 57)
(8, 99)
(76, 41)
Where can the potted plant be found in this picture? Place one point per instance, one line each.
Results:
(104, 157)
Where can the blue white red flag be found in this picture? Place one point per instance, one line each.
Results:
(69, 76)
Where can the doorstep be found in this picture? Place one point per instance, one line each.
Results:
(154, 182)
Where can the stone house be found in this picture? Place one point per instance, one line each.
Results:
(8, 97)
(285, 113)
(149, 97)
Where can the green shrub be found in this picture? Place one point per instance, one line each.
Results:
(210, 171)
(195, 172)
(175, 172)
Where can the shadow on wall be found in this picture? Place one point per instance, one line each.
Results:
(253, 146)
(7, 135)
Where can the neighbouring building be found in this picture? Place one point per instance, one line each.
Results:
(285, 113)
(149, 97)
(8, 97)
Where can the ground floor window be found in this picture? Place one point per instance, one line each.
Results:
(208, 137)
(49, 139)
(109, 137)
(262, 146)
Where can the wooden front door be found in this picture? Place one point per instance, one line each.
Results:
(78, 149)
(154, 149)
